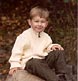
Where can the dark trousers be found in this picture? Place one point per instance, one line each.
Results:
(47, 68)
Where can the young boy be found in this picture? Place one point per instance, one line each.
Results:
(33, 50)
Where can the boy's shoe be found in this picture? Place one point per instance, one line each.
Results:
(62, 77)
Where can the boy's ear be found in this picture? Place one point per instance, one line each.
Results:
(29, 22)
(47, 24)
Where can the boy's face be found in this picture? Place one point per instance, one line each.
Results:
(38, 24)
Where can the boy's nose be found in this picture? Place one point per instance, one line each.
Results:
(39, 23)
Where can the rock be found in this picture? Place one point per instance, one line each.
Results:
(23, 75)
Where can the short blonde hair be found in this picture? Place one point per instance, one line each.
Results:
(39, 11)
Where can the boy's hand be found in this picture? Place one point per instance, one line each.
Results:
(55, 47)
(14, 70)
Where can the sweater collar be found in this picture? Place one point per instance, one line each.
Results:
(38, 34)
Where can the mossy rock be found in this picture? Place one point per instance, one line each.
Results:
(22, 75)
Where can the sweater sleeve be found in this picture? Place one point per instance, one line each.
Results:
(49, 44)
(17, 52)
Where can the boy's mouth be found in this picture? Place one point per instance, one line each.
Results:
(39, 28)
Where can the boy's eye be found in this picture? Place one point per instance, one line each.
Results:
(40, 21)
(36, 21)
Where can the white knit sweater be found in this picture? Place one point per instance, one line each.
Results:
(28, 45)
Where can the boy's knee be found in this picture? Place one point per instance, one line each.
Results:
(60, 53)
(57, 52)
